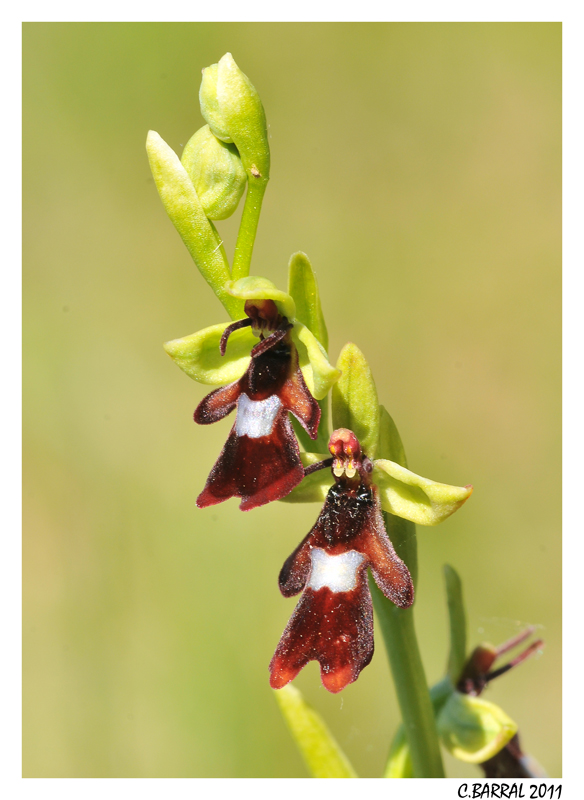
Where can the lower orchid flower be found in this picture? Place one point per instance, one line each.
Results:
(333, 622)
(286, 371)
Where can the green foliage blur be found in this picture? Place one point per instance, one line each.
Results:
(418, 165)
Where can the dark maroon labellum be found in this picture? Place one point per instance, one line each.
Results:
(333, 621)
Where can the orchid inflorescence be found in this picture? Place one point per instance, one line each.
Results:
(269, 361)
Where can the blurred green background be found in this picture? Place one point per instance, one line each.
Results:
(419, 167)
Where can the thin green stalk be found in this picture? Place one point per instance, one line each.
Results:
(248, 228)
(397, 626)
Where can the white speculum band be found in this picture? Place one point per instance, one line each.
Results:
(339, 573)
(255, 418)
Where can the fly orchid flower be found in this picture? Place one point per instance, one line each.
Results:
(333, 622)
(286, 371)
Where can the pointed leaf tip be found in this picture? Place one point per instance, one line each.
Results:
(457, 619)
(321, 753)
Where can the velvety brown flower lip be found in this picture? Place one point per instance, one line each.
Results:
(260, 461)
(333, 621)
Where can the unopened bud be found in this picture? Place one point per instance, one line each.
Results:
(233, 110)
(216, 171)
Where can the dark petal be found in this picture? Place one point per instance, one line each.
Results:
(258, 470)
(390, 573)
(297, 399)
(328, 462)
(217, 404)
(333, 628)
(294, 573)
(235, 326)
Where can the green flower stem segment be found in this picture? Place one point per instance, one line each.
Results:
(397, 626)
(248, 227)
(323, 756)
(184, 208)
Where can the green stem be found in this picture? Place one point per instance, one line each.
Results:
(397, 626)
(248, 228)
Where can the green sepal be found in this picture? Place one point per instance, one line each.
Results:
(233, 110)
(303, 287)
(184, 208)
(216, 172)
(412, 497)
(321, 753)
(472, 729)
(457, 618)
(354, 399)
(198, 354)
(314, 488)
(318, 373)
(255, 288)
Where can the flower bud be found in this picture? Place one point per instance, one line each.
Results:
(233, 110)
(216, 171)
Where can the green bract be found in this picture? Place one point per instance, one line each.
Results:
(184, 208)
(390, 444)
(233, 110)
(216, 172)
(198, 354)
(457, 619)
(399, 762)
